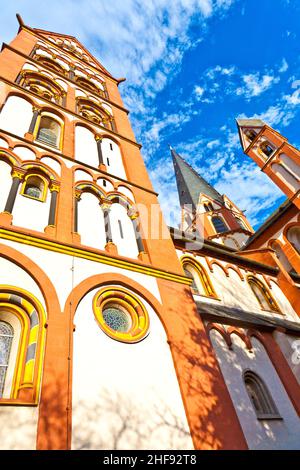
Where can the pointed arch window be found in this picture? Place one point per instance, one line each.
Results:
(263, 295)
(49, 131)
(6, 338)
(201, 284)
(219, 225)
(260, 396)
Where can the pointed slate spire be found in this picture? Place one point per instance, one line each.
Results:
(189, 184)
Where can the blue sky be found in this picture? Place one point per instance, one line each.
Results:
(192, 67)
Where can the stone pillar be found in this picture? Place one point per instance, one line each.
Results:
(36, 112)
(17, 177)
(110, 246)
(139, 241)
(76, 202)
(102, 165)
(54, 189)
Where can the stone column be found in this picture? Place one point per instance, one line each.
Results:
(139, 241)
(110, 246)
(36, 112)
(17, 177)
(102, 165)
(54, 189)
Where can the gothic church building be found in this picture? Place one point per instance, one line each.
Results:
(110, 337)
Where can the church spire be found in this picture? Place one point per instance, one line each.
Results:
(190, 185)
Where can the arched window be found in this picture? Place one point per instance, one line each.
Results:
(190, 273)
(201, 284)
(260, 397)
(52, 64)
(49, 131)
(263, 295)
(42, 86)
(34, 187)
(219, 225)
(6, 337)
(95, 113)
(87, 84)
(266, 149)
(293, 236)
(250, 134)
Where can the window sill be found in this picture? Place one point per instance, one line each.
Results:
(269, 417)
(15, 402)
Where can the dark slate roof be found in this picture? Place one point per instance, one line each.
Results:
(279, 211)
(189, 184)
(241, 316)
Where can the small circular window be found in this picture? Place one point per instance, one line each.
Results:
(117, 318)
(121, 315)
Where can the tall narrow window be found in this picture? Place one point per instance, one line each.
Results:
(260, 397)
(262, 294)
(110, 146)
(6, 337)
(49, 131)
(219, 225)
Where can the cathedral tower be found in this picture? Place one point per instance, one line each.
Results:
(97, 320)
(206, 211)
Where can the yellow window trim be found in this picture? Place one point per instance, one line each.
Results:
(203, 276)
(134, 307)
(45, 188)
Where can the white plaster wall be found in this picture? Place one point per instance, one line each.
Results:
(115, 383)
(91, 221)
(290, 347)
(127, 246)
(52, 163)
(5, 183)
(4, 144)
(86, 147)
(82, 175)
(13, 275)
(105, 184)
(30, 213)
(24, 153)
(16, 116)
(48, 261)
(265, 434)
(18, 427)
(113, 158)
(286, 177)
(126, 192)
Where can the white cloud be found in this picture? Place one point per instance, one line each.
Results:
(255, 84)
(284, 66)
